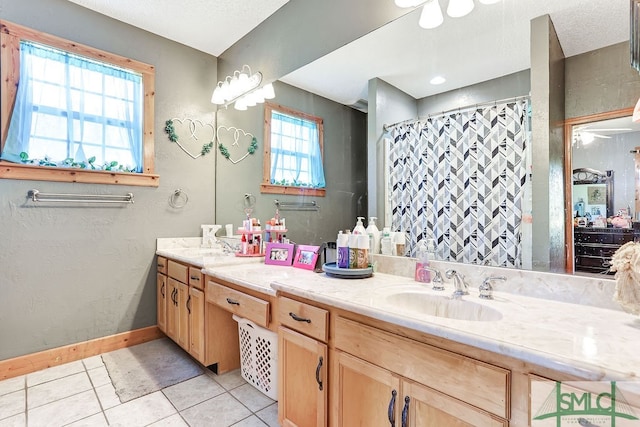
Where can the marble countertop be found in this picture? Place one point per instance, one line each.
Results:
(188, 250)
(589, 342)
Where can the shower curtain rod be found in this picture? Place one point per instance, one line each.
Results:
(386, 128)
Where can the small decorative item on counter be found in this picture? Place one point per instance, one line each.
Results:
(306, 257)
(626, 263)
(279, 254)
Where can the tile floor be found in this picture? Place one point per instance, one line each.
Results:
(81, 394)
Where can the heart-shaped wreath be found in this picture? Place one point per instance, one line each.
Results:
(237, 134)
(192, 127)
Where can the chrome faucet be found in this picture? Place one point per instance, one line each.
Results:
(438, 283)
(227, 247)
(461, 286)
(486, 290)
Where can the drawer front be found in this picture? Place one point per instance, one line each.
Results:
(304, 318)
(178, 271)
(480, 384)
(239, 303)
(196, 279)
(162, 265)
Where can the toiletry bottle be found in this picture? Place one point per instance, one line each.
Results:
(400, 241)
(359, 228)
(342, 244)
(353, 253)
(385, 242)
(374, 236)
(243, 243)
(362, 251)
(424, 254)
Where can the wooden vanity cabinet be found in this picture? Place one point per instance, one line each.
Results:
(433, 387)
(161, 294)
(302, 364)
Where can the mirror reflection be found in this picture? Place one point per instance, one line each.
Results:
(603, 208)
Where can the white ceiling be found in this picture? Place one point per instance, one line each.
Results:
(206, 25)
(490, 42)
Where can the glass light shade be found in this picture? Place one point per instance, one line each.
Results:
(269, 93)
(408, 3)
(459, 8)
(217, 97)
(243, 78)
(259, 95)
(587, 137)
(431, 16)
(489, 1)
(249, 99)
(225, 90)
(240, 105)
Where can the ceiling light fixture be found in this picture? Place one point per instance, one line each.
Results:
(243, 89)
(431, 16)
(437, 80)
(459, 8)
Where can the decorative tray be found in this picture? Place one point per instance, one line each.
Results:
(346, 273)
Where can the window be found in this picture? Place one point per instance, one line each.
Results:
(74, 113)
(293, 152)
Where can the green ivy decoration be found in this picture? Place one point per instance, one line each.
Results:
(69, 162)
(206, 148)
(223, 150)
(251, 150)
(171, 131)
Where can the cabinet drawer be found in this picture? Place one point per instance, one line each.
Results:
(195, 278)
(178, 271)
(239, 303)
(162, 265)
(311, 321)
(480, 384)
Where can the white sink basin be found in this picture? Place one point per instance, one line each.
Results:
(418, 303)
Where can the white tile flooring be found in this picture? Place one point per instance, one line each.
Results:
(81, 394)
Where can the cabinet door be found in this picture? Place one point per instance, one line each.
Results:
(161, 301)
(302, 387)
(183, 315)
(428, 408)
(367, 395)
(196, 323)
(172, 309)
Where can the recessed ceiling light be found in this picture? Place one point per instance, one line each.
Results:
(437, 80)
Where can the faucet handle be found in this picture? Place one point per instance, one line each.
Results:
(461, 285)
(438, 283)
(486, 289)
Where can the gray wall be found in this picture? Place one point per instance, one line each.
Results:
(345, 163)
(73, 273)
(509, 86)
(387, 105)
(547, 101)
(600, 81)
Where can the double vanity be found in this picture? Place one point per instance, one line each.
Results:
(387, 350)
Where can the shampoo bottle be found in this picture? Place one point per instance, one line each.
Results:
(374, 236)
(342, 245)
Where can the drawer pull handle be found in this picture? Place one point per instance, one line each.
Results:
(392, 406)
(405, 411)
(162, 290)
(196, 278)
(232, 301)
(318, 368)
(189, 304)
(298, 318)
(160, 265)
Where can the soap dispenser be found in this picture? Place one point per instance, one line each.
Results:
(424, 253)
(374, 236)
(359, 228)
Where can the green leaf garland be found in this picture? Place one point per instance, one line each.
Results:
(251, 150)
(173, 137)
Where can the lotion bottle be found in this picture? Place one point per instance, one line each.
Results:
(374, 236)
(359, 228)
(386, 244)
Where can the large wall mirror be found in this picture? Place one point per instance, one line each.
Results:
(601, 204)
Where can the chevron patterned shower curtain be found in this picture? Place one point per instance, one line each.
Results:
(459, 178)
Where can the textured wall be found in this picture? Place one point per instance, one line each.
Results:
(345, 163)
(72, 273)
(600, 81)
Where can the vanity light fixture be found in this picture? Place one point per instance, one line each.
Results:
(437, 80)
(242, 89)
(431, 16)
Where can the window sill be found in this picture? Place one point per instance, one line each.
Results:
(10, 170)
(296, 191)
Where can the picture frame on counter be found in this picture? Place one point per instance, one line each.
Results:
(306, 257)
(279, 253)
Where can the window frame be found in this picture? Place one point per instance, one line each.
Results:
(266, 186)
(10, 36)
